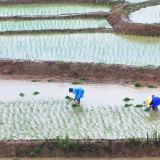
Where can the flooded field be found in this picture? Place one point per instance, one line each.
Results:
(100, 48)
(49, 115)
(49, 9)
(146, 15)
(53, 24)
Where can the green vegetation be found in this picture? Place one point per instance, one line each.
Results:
(50, 80)
(75, 105)
(69, 98)
(36, 80)
(127, 105)
(138, 105)
(41, 118)
(82, 78)
(76, 83)
(22, 94)
(65, 143)
(147, 109)
(126, 99)
(139, 68)
(138, 85)
(77, 46)
(151, 86)
(36, 93)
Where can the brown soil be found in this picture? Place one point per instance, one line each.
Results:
(62, 16)
(95, 72)
(87, 30)
(79, 148)
(121, 23)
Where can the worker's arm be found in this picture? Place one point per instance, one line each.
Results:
(75, 91)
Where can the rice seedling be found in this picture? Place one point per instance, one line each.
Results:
(36, 80)
(53, 24)
(139, 106)
(139, 68)
(75, 105)
(22, 94)
(151, 86)
(127, 105)
(126, 99)
(138, 85)
(82, 48)
(147, 109)
(82, 78)
(69, 98)
(49, 9)
(76, 83)
(50, 80)
(36, 93)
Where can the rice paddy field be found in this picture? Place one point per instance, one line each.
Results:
(49, 117)
(100, 47)
(147, 15)
(53, 24)
(49, 9)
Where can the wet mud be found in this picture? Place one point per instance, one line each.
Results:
(94, 72)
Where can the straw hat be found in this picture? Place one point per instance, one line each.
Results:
(148, 100)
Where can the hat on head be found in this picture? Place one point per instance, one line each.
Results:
(148, 100)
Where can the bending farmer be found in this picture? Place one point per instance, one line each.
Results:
(78, 92)
(153, 101)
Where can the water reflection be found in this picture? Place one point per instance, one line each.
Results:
(153, 115)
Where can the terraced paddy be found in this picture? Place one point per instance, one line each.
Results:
(147, 15)
(41, 117)
(100, 48)
(104, 124)
(53, 24)
(49, 9)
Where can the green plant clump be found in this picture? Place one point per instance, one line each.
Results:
(36, 80)
(82, 78)
(151, 86)
(127, 99)
(35, 93)
(22, 94)
(69, 98)
(75, 105)
(139, 105)
(75, 82)
(127, 105)
(147, 109)
(138, 85)
(50, 80)
(65, 143)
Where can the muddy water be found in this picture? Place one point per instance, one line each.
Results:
(83, 158)
(96, 94)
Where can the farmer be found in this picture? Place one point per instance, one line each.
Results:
(153, 101)
(78, 92)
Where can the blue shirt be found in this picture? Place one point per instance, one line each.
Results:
(155, 101)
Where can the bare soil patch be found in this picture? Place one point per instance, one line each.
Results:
(80, 148)
(95, 72)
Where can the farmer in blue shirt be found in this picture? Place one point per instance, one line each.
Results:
(153, 101)
(78, 92)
